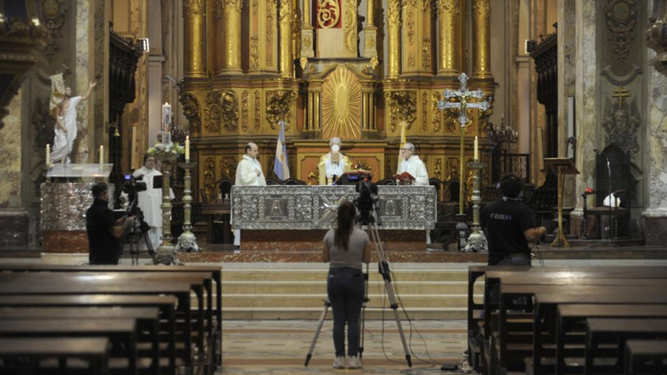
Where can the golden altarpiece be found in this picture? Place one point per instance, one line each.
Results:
(323, 67)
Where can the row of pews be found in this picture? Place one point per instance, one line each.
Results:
(568, 320)
(110, 319)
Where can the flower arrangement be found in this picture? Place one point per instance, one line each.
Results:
(169, 150)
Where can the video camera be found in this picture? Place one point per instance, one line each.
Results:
(365, 202)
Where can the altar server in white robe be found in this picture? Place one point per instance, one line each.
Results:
(150, 201)
(409, 162)
(333, 164)
(248, 173)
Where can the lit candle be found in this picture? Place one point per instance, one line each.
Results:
(476, 149)
(187, 148)
(166, 116)
(48, 155)
(101, 155)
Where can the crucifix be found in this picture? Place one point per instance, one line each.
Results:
(464, 97)
(620, 93)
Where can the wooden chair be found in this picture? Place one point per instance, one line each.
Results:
(294, 182)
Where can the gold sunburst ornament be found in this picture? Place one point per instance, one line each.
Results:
(341, 105)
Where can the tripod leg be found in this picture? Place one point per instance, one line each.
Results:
(149, 246)
(317, 331)
(362, 323)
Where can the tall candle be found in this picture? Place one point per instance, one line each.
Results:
(101, 155)
(187, 148)
(166, 116)
(476, 149)
(48, 155)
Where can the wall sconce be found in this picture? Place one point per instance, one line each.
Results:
(114, 125)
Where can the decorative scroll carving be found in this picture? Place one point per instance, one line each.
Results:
(228, 167)
(278, 105)
(621, 122)
(314, 176)
(341, 105)
(394, 12)
(402, 107)
(426, 53)
(270, 22)
(209, 178)
(409, 5)
(254, 52)
(245, 105)
(437, 171)
(351, 26)
(285, 10)
(425, 110)
(448, 6)
(191, 110)
(437, 117)
(258, 110)
(237, 4)
(221, 107)
(54, 21)
(328, 13)
(194, 7)
(621, 17)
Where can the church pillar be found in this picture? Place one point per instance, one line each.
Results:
(566, 87)
(481, 47)
(451, 30)
(214, 36)
(655, 215)
(194, 11)
(285, 52)
(394, 38)
(231, 43)
(307, 35)
(370, 32)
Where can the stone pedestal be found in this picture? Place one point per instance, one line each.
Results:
(655, 229)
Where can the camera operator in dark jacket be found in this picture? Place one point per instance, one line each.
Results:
(103, 230)
(510, 225)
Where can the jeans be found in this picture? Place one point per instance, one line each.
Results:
(345, 288)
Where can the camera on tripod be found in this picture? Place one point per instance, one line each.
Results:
(132, 186)
(366, 201)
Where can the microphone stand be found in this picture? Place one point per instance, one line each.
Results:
(611, 227)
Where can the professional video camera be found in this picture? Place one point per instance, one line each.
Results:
(137, 232)
(365, 202)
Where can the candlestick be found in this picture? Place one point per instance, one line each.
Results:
(187, 148)
(101, 155)
(476, 149)
(48, 155)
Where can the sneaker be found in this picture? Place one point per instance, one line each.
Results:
(339, 362)
(354, 362)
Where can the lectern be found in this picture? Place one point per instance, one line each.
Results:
(563, 166)
(354, 177)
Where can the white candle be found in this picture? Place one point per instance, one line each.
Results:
(101, 155)
(166, 116)
(476, 149)
(48, 155)
(187, 148)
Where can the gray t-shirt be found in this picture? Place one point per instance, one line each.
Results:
(355, 249)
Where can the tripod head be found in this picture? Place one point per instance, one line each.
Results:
(366, 202)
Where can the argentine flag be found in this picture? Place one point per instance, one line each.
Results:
(281, 168)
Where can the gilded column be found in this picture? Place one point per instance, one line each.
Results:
(449, 24)
(370, 32)
(231, 43)
(194, 24)
(214, 31)
(394, 39)
(481, 48)
(307, 32)
(285, 48)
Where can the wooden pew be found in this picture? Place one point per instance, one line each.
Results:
(641, 354)
(119, 332)
(92, 350)
(618, 330)
(146, 319)
(166, 305)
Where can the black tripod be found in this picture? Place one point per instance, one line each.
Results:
(383, 268)
(138, 232)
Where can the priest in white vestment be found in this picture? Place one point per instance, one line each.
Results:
(333, 164)
(150, 201)
(248, 173)
(409, 162)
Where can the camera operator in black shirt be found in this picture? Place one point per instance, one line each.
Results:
(510, 225)
(103, 230)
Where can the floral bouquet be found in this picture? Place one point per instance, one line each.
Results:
(166, 151)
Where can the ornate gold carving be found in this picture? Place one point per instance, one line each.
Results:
(191, 110)
(228, 167)
(370, 67)
(410, 6)
(270, 22)
(221, 107)
(258, 110)
(437, 116)
(394, 12)
(402, 107)
(437, 171)
(351, 26)
(424, 110)
(245, 105)
(285, 10)
(304, 62)
(255, 7)
(254, 52)
(370, 42)
(314, 175)
(341, 105)
(328, 13)
(194, 7)
(307, 42)
(448, 6)
(411, 59)
(278, 104)
(621, 17)
(237, 4)
(209, 178)
(482, 7)
(426, 53)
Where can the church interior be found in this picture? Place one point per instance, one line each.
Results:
(567, 96)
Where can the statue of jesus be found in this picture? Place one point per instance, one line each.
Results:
(63, 107)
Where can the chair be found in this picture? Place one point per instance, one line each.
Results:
(386, 181)
(270, 181)
(293, 182)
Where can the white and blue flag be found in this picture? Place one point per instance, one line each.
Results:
(281, 168)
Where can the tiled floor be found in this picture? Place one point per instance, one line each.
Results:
(280, 347)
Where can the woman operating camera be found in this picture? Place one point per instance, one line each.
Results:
(345, 247)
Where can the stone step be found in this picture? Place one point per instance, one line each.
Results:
(316, 300)
(313, 313)
(319, 274)
(294, 287)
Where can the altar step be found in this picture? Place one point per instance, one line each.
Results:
(283, 292)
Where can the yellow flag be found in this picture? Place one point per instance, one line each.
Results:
(403, 141)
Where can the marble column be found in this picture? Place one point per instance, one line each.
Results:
(481, 31)
(450, 30)
(194, 13)
(285, 47)
(566, 85)
(655, 214)
(394, 39)
(231, 41)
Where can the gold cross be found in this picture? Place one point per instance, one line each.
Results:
(619, 94)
